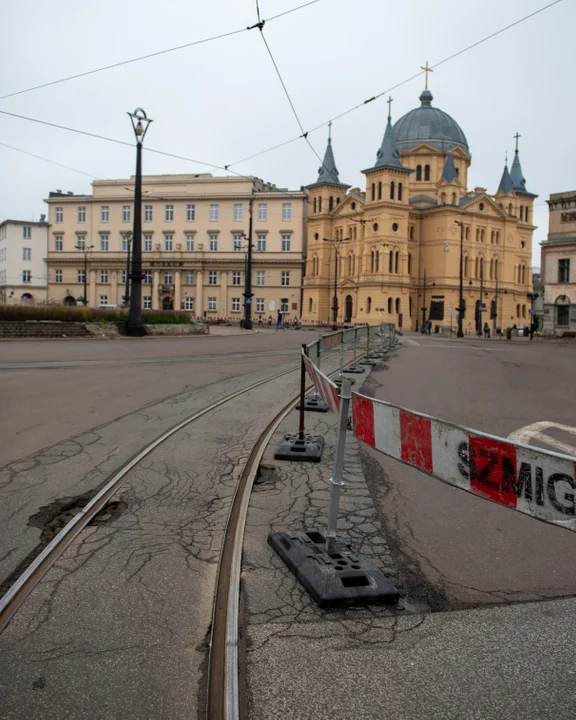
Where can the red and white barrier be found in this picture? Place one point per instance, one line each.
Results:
(327, 390)
(531, 480)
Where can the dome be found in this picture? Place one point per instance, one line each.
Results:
(428, 124)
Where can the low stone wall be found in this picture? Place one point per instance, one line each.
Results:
(176, 330)
(41, 329)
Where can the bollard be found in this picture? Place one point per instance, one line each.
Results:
(336, 479)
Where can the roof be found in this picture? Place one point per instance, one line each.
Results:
(506, 182)
(428, 124)
(327, 172)
(423, 198)
(41, 223)
(388, 156)
(467, 200)
(517, 177)
(449, 173)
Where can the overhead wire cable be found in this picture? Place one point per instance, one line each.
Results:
(53, 162)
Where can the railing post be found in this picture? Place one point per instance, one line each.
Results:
(302, 393)
(336, 479)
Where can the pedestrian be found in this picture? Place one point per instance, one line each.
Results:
(260, 321)
(279, 323)
(486, 331)
(532, 330)
(429, 327)
(269, 320)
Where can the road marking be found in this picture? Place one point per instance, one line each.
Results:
(537, 431)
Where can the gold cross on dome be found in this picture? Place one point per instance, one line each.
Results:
(427, 70)
(517, 137)
(390, 101)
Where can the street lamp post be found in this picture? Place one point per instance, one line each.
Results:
(460, 308)
(140, 124)
(79, 247)
(127, 284)
(479, 331)
(335, 298)
(423, 331)
(248, 294)
(533, 296)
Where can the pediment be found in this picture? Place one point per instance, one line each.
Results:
(490, 208)
(346, 205)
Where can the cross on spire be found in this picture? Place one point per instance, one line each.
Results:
(390, 101)
(427, 70)
(330, 131)
(517, 137)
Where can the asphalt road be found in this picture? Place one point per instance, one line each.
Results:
(455, 550)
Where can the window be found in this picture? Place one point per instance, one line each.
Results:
(81, 244)
(214, 212)
(59, 213)
(390, 261)
(261, 243)
(260, 277)
(169, 213)
(58, 243)
(284, 306)
(147, 213)
(81, 214)
(379, 191)
(427, 173)
(213, 243)
(396, 259)
(418, 173)
(168, 278)
(466, 266)
(411, 235)
(26, 253)
(147, 302)
(104, 243)
(236, 277)
(191, 213)
(523, 311)
(518, 310)
(103, 300)
(563, 271)
(314, 204)
(190, 277)
(368, 304)
(26, 276)
(189, 304)
(104, 213)
(285, 278)
(212, 276)
(286, 212)
(397, 305)
(389, 305)
(104, 276)
(168, 243)
(262, 212)
(320, 204)
(189, 243)
(437, 308)
(80, 275)
(58, 276)
(235, 304)
(399, 191)
(147, 277)
(392, 189)
(563, 315)
(125, 242)
(26, 232)
(237, 212)
(147, 243)
(125, 213)
(285, 243)
(259, 305)
(409, 264)
(237, 243)
(211, 304)
(373, 191)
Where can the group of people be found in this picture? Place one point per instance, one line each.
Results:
(295, 322)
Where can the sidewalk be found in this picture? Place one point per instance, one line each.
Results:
(508, 661)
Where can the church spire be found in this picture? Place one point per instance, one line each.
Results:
(506, 181)
(328, 172)
(449, 173)
(516, 175)
(388, 155)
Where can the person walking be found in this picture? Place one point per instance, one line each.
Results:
(429, 327)
(532, 330)
(486, 331)
(279, 323)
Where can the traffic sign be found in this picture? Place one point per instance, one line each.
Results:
(451, 311)
(532, 312)
(248, 301)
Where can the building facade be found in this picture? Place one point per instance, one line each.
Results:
(23, 247)
(559, 265)
(194, 242)
(397, 241)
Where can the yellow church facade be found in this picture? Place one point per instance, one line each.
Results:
(390, 252)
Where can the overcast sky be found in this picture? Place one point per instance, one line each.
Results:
(221, 101)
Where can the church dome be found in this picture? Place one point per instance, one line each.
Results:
(430, 125)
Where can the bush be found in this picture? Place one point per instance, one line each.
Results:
(21, 313)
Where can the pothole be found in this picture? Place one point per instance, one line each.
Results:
(266, 475)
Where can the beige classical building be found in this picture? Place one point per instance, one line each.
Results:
(558, 273)
(194, 238)
(23, 247)
(398, 239)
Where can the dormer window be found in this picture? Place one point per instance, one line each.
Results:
(427, 173)
(418, 173)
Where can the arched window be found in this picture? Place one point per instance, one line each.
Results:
(466, 266)
(453, 198)
(331, 203)
(373, 191)
(481, 268)
(510, 209)
(397, 305)
(443, 198)
(495, 268)
(477, 268)
(527, 214)
(391, 261)
(427, 172)
(349, 263)
(369, 305)
(467, 234)
(392, 190)
(314, 204)
(319, 204)
(497, 237)
(390, 305)
(418, 173)
(411, 232)
(409, 264)
(492, 269)
(310, 305)
(523, 311)
(518, 310)
(410, 307)
(492, 237)
(377, 260)
(379, 191)
(372, 254)
(477, 235)
(399, 191)
(396, 258)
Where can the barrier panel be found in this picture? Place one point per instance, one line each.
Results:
(327, 390)
(534, 481)
(331, 340)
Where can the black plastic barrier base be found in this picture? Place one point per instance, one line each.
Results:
(338, 579)
(355, 369)
(314, 403)
(367, 362)
(308, 449)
